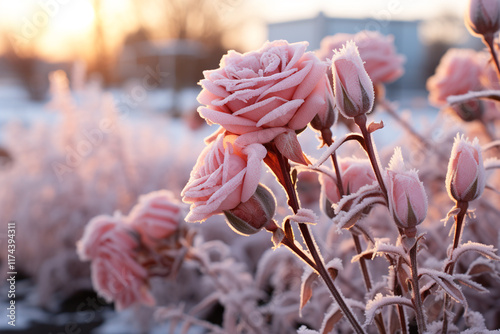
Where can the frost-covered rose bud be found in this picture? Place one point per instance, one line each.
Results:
(466, 176)
(251, 216)
(406, 195)
(483, 17)
(352, 87)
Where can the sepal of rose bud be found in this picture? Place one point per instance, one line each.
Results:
(406, 194)
(466, 175)
(251, 216)
(352, 87)
(483, 17)
(470, 110)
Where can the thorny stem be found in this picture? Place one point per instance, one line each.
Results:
(417, 299)
(459, 222)
(326, 134)
(488, 40)
(309, 241)
(361, 122)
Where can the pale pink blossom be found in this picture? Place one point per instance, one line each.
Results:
(356, 173)
(406, 194)
(116, 275)
(382, 62)
(466, 176)
(352, 87)
(224, 176)
(277, 87)
(483, 17)
(156, 216)
(457, 73)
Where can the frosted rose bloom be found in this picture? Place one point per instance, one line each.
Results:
(356, 173)
(483, 17)
(466, 176)
(224, 176)
(457, 73)
(276, 88)
(406, 194)
(156, 216)
(352, 87)
(381, 60)
(116, 275)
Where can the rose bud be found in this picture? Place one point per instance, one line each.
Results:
(483, 17)
(352, 87)
(466, 176)
(406, 195)
(251, 216)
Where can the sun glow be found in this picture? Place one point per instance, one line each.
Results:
(76, 17)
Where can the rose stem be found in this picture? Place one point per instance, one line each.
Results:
(361, 122)
(459, 221)
(488, 40)
(417, 299)
(326, 134)
(308, 239)
(396, 289)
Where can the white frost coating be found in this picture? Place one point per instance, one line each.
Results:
(453, 99)
(380, 301)
(485, 250)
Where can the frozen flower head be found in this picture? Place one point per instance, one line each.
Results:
(466, 176)
(457, 73)
(156, 216)
(382, 62)
(483, 17)
(356, 173)
(224, 176)
(352, 87)
(276, 88)
(116, 275)
(406, 195)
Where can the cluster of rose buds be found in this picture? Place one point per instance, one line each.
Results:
(115, 244)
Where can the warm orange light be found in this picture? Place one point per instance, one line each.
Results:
(77, 18)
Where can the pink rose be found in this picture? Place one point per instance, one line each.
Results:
(466, 176)
(356, 173)
(458, 73)
(119, 279)
(483, 17)
(276, 88)
(116, 274)
(156, 216)
(224, 176)
(406, 194)
(381, 61)
(105, 234)
(352, 87)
